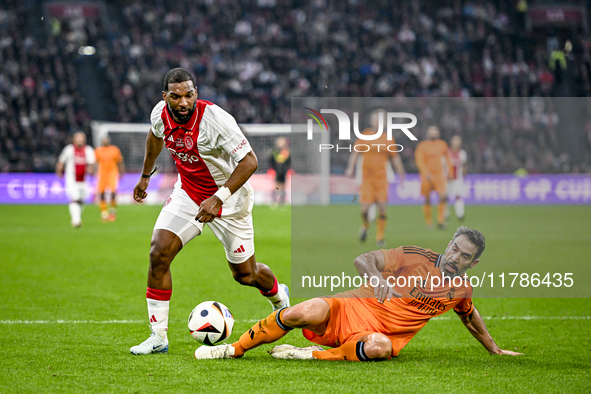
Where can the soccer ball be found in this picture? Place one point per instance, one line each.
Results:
(210, 322)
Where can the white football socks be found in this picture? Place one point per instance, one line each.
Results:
(459, 207)
(75, 213)
(279, 296)
(158, 314)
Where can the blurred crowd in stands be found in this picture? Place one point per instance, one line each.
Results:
(40, 106)
(506, 135)
(251, 56)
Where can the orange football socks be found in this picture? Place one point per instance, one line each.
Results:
(365, 220)
(266, 330)
(350, 351)
(427, 211)
(441, 213)
(381, 228)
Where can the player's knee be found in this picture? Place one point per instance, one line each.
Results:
(292, 317)
(378, 347)
(160, 255)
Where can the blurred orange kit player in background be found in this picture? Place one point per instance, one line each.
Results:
(374, 178)
(110, 167)
(433, 161)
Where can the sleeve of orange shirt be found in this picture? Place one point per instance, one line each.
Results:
(393, 259)
(420, 159)
(464, 307)
(98, 153)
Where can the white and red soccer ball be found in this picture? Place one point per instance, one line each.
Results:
(211, 322)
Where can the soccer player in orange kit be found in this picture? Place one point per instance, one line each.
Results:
(110, 167)
(375, 323)
(432, 159)
(374, 178)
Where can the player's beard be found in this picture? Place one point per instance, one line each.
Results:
(182, 119)
(452, 275)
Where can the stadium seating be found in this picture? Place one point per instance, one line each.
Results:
(252, 56)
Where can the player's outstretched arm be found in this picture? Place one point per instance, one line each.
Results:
(371, 264)
(399, 167)
(59, 169)
(243, 171)
(121, 166)
(153, 148)
(474, 323)
(350, 171)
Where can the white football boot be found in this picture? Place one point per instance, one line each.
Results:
(154, 344)
(289, 352)
(284, 301)
(214, 352)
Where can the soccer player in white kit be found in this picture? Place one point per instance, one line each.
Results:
(214, 161)
(458, 158)
(76, 161)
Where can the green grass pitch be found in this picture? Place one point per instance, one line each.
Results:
(90, 277)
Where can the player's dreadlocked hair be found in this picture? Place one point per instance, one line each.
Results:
(177, 75)
(474, 236)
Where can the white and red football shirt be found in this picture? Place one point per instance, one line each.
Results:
(206, 151)
(75, 162)
(458, 160)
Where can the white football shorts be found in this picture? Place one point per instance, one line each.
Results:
(454, 188)
(76, 191)
(236, 234)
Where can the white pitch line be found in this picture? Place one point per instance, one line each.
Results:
(255, 320)
(523, 318)
(71, 321)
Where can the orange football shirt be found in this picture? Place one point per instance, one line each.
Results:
(376, 158)
(108, 157)
(428, 156)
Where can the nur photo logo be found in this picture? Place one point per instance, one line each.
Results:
(390, 119)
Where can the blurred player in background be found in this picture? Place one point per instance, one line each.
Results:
(432, 159)
(110, 167)
(374, 175)
(76, 161)
(376, 323)
(458, 159)
(214, 161)
(280, 162)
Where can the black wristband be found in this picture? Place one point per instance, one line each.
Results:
(152, 173)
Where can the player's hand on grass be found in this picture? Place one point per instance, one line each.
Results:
(509, 353)
(384, 292)
(209, 209)
(139, 191)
